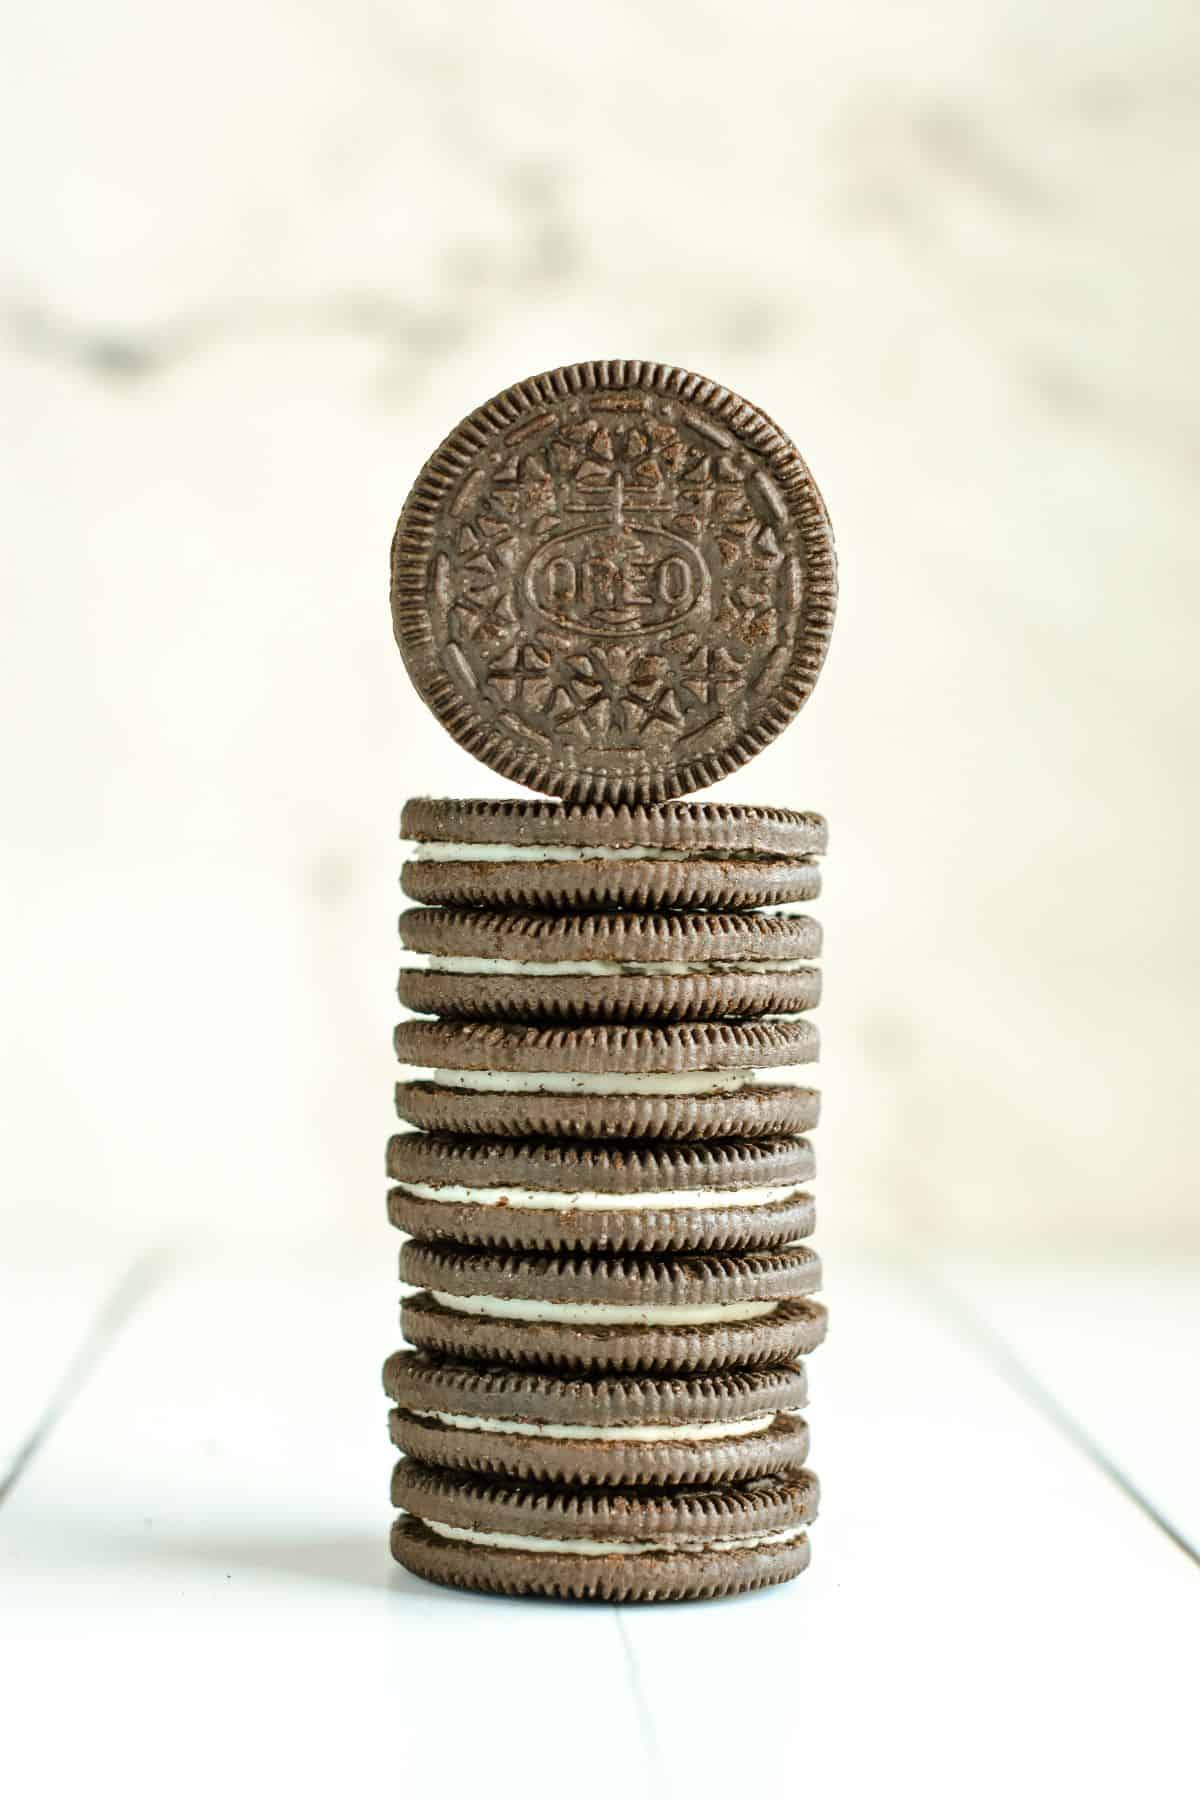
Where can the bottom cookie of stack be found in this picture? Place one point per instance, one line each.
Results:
(615, 1544)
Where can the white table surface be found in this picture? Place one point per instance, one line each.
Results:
(196, 1595)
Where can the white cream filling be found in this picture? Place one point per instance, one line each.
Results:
(566, 1312)
(503, 965)
(590, 1200)
(697, 1081)
(606, 1434)
(511, 1540)
(547, 853)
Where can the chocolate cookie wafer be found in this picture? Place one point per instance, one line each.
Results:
(538, 854)
(612, 1312)
(614, 581)
(565, 1196)
(601, 1544)
(644, 966)
(710, 1080)
(600, 1430)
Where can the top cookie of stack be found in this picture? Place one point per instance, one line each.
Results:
(614, 582)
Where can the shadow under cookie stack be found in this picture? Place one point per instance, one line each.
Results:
(606, 1180)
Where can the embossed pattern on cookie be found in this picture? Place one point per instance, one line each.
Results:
(614, 581)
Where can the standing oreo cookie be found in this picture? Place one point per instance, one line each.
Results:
(614, 581)
(535, 854)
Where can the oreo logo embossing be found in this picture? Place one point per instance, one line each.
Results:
(619, 582)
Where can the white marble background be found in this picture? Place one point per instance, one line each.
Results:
(259, 257)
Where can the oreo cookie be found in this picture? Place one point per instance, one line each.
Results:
(566, 1196)
(608, 966)
(537, 854)
(601, 1430)
(712, 1080)
(614, 581)
(615, 1544)
(612, 1312)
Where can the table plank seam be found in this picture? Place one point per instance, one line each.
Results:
(126, 1298)
(641, 1703)
(959, 1315)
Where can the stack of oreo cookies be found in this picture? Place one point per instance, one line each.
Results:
(613, 583)
(607, 1197)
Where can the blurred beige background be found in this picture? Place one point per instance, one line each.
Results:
(261, 256)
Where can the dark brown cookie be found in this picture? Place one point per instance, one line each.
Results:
(543, 855)
(687, 825)
(616, 1544)
(614, 581)
(602, 1430)
(794, 1328)
(649, 966)
(562, 1196)
(612, 1312)
(713, 1080)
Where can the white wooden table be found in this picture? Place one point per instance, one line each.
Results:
(196, 1595)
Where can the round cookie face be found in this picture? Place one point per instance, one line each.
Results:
(614, 581)
(538, 854)
(598, 1432)
(623, 1544)
(563, 1195)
